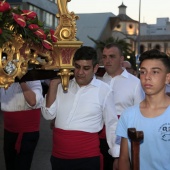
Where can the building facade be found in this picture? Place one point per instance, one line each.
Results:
(156, 36)
(151, 35)
(127, 28)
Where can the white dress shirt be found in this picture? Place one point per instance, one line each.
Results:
(127, 90)
(12, 99)
(85, 109)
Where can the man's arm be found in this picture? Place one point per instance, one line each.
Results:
(110, 121)
(124, 163)
(29, 95)
(52, 92)
(49, 108)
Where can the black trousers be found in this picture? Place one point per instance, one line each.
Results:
(107, 158)
(23, 159)
(92, 163)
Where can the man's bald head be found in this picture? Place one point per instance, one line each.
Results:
(126, 64)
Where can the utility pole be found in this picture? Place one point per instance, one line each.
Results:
(139, 28)
(138, 52)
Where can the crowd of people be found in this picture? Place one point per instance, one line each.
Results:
(90, 120)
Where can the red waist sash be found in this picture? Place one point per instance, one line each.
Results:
(71, 144)
(21, 122)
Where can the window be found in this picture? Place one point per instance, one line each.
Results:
(149, 46)
(158, 47)
(55, 22)
(165, 47)
(35, 9)
(130, 26)
(48, 19)
(142, 48)
(118, 26)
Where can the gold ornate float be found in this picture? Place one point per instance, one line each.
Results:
(39, 46)
(66, 44)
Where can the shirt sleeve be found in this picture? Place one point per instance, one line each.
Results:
(110, 119)
(121, 129)
(49, 113)
(36, 87)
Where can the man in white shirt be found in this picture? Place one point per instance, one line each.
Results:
(126, 87)
(79, 116)
(20, 105)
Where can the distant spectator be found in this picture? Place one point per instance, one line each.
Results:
(127, 65)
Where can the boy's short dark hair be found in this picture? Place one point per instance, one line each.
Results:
(86, 53)
(156, 54)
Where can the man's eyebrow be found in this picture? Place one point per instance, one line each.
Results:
(87, 66)
(157, 68)
(82, 66)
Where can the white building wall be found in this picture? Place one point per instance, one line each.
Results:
(162, 27)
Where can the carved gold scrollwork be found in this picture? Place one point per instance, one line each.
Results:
(66, 44)
(65, 75)
(12, 63)
(66, 29)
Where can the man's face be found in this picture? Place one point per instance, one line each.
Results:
(112, 61)
(84, 71)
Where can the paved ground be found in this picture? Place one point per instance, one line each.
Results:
(41, 160)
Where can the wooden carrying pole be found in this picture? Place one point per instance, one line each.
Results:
(135, 137)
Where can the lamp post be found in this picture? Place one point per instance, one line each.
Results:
(138, 42)
(139, 28)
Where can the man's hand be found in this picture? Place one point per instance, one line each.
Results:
(115, 164)
(55, 82)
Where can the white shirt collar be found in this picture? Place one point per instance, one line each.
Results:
(94, 82)
(124, 74)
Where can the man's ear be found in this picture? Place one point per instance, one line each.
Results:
(96, 68)
(122, 59)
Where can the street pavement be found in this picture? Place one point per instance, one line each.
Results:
(41, 160)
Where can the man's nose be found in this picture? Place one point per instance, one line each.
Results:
(148, 76)
(81, 71)
(107, 60)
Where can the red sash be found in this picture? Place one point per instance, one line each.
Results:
(102, 133)
(21, 122)
(71, 144)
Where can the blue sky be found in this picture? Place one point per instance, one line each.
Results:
(150, 9)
